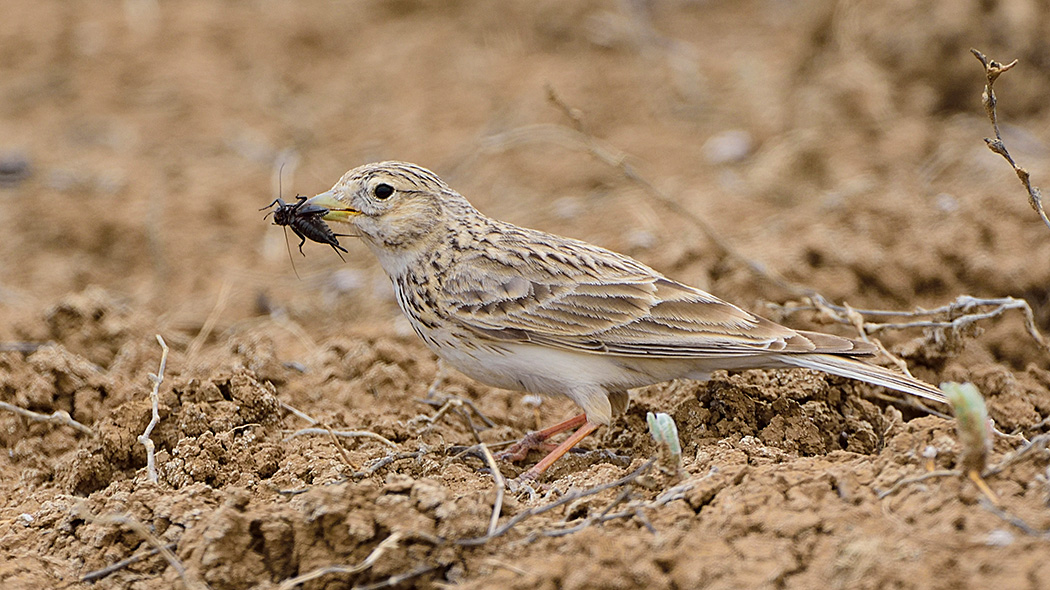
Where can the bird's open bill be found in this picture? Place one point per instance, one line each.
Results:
(337, 210)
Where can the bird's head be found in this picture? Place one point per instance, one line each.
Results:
(399, 209)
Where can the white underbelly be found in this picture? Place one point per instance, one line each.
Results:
(539, 369)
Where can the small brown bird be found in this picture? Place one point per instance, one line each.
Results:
(526, 310)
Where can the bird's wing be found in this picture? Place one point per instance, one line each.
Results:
(572, 295)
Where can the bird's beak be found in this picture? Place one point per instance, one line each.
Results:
(337, 209)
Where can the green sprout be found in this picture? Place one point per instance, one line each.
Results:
(665, 433)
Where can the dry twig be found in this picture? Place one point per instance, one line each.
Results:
(212, 319)
(992, 70)
(190, 579)
(501, 487)
(60, 417)
(1014, 520)
(387, 544)
(566, 499)
(344, 434)
(957, 315)
(23, 347)
(116, 567)
(144, 439)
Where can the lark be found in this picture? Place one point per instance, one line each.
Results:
(526, 310)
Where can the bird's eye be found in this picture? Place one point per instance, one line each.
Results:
(383, 191)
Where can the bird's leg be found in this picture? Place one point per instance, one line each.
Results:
(537, 439)
(539, 468)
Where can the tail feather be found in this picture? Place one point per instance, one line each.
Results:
(844, 366)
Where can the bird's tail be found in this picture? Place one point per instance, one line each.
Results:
(844, 366)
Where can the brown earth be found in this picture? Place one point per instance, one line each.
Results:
(839, 143)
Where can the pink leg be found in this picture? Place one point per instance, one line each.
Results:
(536, 440)
(560, 450)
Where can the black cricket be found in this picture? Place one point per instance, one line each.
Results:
(306, 222)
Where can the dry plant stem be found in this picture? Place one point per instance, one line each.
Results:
(109, 569)
(323, 428)
(343, 434)
(464, 401)
(397, 579)
(1037, 443)
(992, 70)
(23, 347)
(60, 417)
(621, 161)
(387, 544)
(301, 414)
(961, 313)
(906, 481)
(501, 487)
(1014, 520)
(571, 497)
(212, 319)
(188, 578)
(144, 439)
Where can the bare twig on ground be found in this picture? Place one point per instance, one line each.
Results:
(109, 569)
(323, 428)
(1013, 519)
(957, 315)
(633, 510)
(60, 417)
(212, 319)
(381, 462)
(454, 403)
(301, 414)
(190, 579)
(23, 347)
(992, 71)
(387, 544)
(613, 157)
(343, 434)
(906, 481)
(398, 578)
(501, 487)
(1036, 444)
(144, 439)
(457, 401)
(571, 497)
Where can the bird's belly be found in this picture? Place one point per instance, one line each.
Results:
(540, 369)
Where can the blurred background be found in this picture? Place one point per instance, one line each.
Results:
(837, 143)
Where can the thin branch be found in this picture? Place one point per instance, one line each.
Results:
(965, 311)
(387, 544)
(189, 578)
(144, 439)
(1014, 520)
(60, 417)
(398, 578)
(212, 319)
(905, 481)
(501, 487)
(992, 71)
(344, 434)
(23, 347)
(571, 497)
(1037, 443)
(109, 569)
